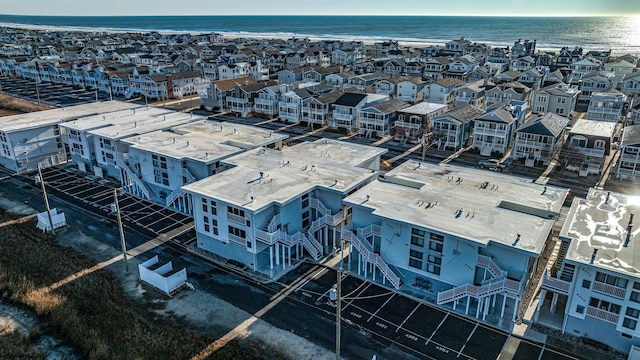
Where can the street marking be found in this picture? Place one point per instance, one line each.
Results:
(436, 329)
(385, 303)
(407, 318)
(468, 338)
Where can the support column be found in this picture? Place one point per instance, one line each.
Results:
(495, 296)
(554, 303)
(466, 311)
(289, 256)
(486, 308)
(543, 295)
(455, 302)
(271, 257)
(284, 256)
(277, 253)
(359, 263)
(515, 308)
(478, 308)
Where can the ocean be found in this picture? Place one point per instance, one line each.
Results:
(620, 34)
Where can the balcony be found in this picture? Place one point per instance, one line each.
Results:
(237, 239)
(341, 116)
(237, 100)
(408, 125)
(609, 290)
(592, 152)
(241, 220)
(491, 132)
(602, 315)
(605, 110)
(555, 284)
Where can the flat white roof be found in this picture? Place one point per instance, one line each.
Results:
(55, 116)
(145, 125)
(206, 141)
(598, 223)
(127, 116)
(479, 205)
(423, 108)
(286, 174)
(593, 127)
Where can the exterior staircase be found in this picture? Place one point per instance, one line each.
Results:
(498, 284)
(365, 249)
(132, 182)
(272, 234)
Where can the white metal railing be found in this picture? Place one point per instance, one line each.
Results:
(588, 151)
(609, 289)
(313, 246)
(237, 239)
(276, 220)
(555, 284)
(408, 125)
(496, 286)
(494, 269)
(365, 249)
(602, 315)
(241, 220)
(340, 116)
(190, 177)
(141, 186)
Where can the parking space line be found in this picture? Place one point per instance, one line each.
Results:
(468, 338)
(163, 229)
(103, 195)
(542, 351)
(385, 303)
(365, 288)
(323, 271)
(407, 318)
(436, 329)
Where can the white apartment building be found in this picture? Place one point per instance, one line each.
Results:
(270, 208)
(468, 238)
(111, 152)
(606, 106)
(596, 292)
(77, 134)
(629, 162)
(33, 139)
(159, 163)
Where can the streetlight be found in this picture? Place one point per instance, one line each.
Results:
(46, 199)
(37, 79)
(116, 207)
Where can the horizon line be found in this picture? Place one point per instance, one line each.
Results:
(346, 15)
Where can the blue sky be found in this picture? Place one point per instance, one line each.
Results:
(323, 7)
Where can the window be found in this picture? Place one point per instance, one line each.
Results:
(580, 309)
(214, 224)
(415, 254)
(417, 237)
(631, 318)
(305, 200)
(611, 280)
(586, 284)
(415, 263)
(235, 211)
(237, 232)
(604, 305)
(214, 209)
(434, 269)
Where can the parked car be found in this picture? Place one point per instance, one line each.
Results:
(493, 164)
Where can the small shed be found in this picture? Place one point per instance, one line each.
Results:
(58, 220)
(162, 275)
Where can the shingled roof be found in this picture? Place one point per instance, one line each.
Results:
(548, 125)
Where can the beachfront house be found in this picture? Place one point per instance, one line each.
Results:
(272, 208)
(430, 229)
(163, 161)
(629, 162)
(470, 94)
(558, 99)
(593, 291)
(493, 132)
(377, 120)
(606, 106)
(540, 139)
(410, 90)
(588, 145)
(413, 123)
(290, 105)
(441, 91)
(451, 130)
(37, 139)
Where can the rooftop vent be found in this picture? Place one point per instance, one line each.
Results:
(516, 241)
(606, 201)
(629, 228)
(593, 256)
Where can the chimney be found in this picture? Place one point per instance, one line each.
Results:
(593, 256)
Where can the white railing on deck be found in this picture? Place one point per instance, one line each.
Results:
(490, 288)
(555, 284)
(237, 219)
(494, 269)
(609, 289)
(365, 249)
(602, 315)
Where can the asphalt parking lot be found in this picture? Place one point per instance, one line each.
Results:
(142, 215)
(56, 95)
(422, 329)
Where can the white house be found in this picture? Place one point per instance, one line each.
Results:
(33, 139)
(441, 91)
(378, 120)
(606, 106)
(159, 163)
(596, 292)
(558, 98)
(629, 161)
(469, 236)
(271, 208)
(493, 131)
(414, 122)
(539, 139)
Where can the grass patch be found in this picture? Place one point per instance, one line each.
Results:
(19, 105)
(15, 346)
(92, 312)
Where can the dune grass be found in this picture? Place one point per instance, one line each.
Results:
(92, 312)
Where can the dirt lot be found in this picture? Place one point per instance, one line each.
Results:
(11, 106)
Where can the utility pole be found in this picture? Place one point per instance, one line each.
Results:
(124, 245)
(338, 311)
(46, 199)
